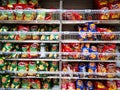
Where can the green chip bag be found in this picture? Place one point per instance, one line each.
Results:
(15, 83)
(22, 1)
(11, 2)
(2, 62)
(5, 81)
(25, 84)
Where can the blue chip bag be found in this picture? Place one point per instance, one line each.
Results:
(91, 29)
(82, 68)
(89, 85)
(85, 53)
(80, 85)
(93, 53)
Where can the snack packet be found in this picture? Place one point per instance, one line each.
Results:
(7, 47)
(82, 69)
(22, 1)
(15, 83)
(25, 84)
(2, 62)
(5, 81)
(25, 48)
(111, 85)
(43, 66)
(53, 66)
(22, 68)
(32, 67)
(89, 85)
(34, 28)
(12, 66)
(33, 2)
(3, 14)
(80, 85)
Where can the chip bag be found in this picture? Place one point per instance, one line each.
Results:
(5, 81)
(111, 85)
(25, 84)
(15, 83)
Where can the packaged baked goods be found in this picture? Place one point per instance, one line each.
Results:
(12, 66)
(25, 84)
(5, 81)
(35, 84)
(89, 85)
(32, 67)
(91, 69)
(111, 70)
(53, 66)
(22, 68)
(111, 85)
(80, 85)
(82, 69)
(15, 83)
(33, 50)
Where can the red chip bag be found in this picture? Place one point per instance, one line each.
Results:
(111, 85)
(111, 70)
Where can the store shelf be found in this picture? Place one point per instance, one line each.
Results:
(95, 21)
(78, 60)
(52, 77)
(77, 41)
(29, 52)
(28, 41)
(29, 22)
(37, 72)
(37, 59)
(90, 78)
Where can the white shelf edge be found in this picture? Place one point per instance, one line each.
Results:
(74, 60)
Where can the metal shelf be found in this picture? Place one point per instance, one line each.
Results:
(77, 41)
(29, 21)
(37, 72)
(91, 78)
(23, 59)
(52, 77)
(86, 21)
(78, 60)
(28, 41)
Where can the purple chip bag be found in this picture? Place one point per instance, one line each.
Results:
(118, 84)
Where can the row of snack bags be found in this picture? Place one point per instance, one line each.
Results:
(90, 85)
(9, 3)
(31, 66)
(88, 32)
(8, 82)
(23, 29)
(30, 50)
(92, 70)
(89, 51)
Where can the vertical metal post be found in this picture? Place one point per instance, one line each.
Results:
(60, 44)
